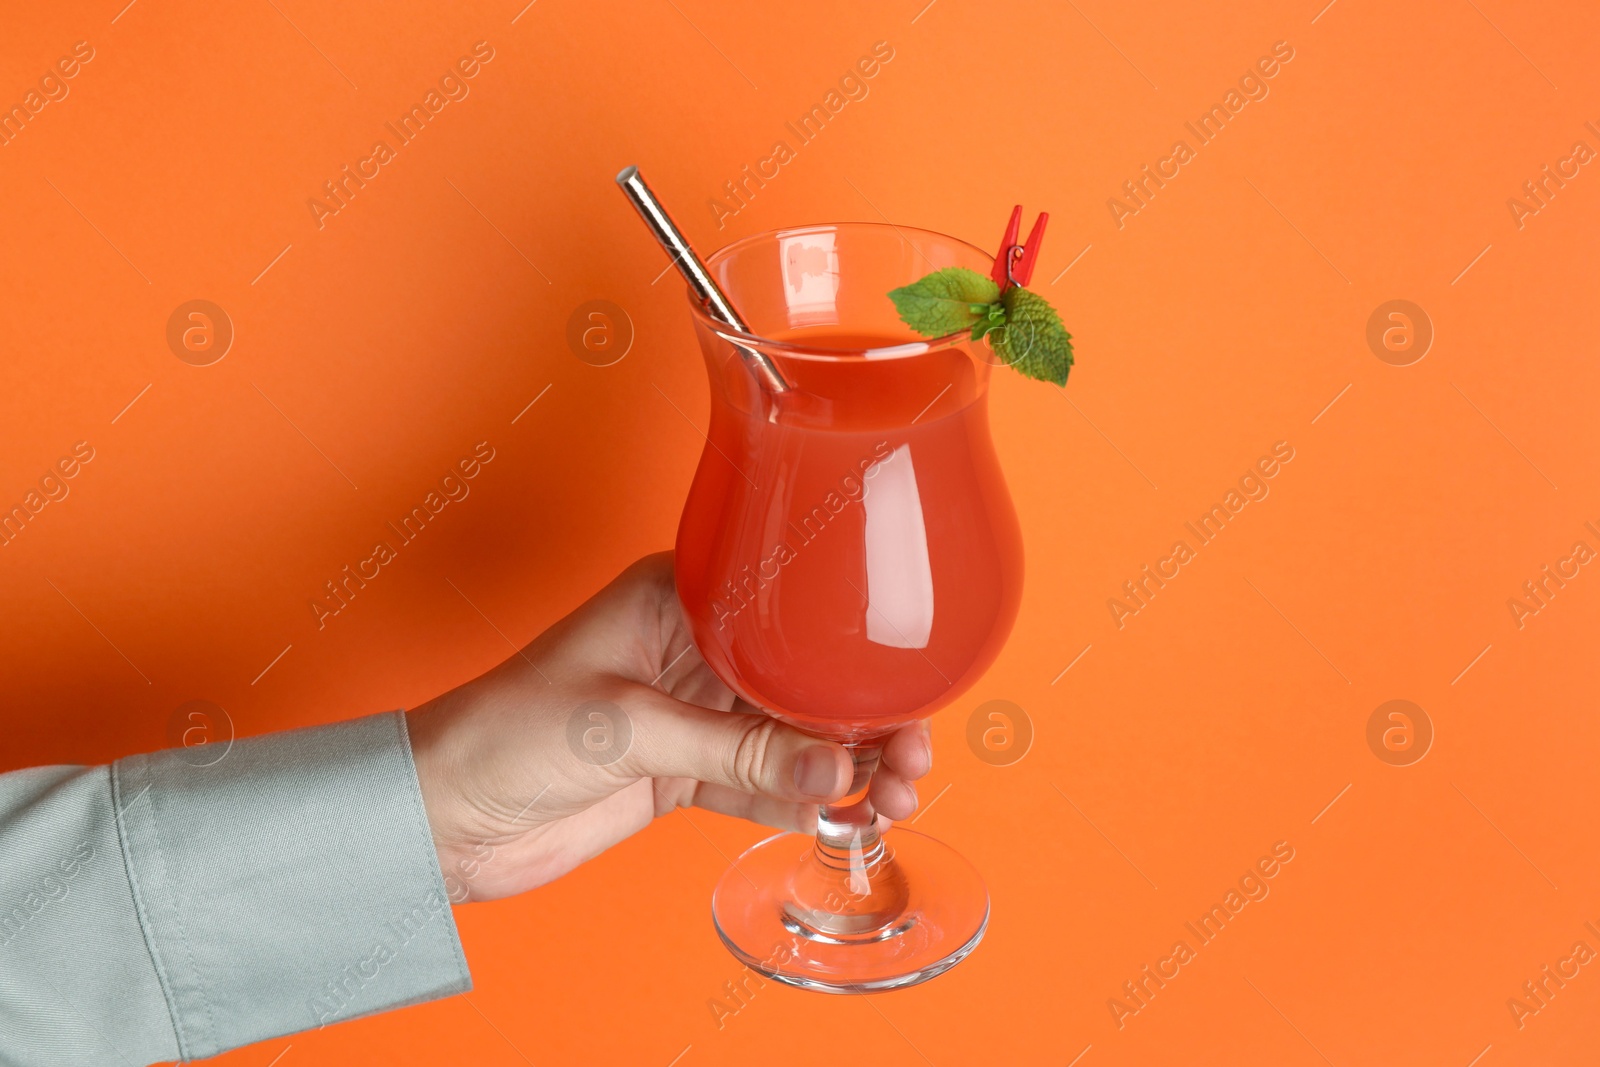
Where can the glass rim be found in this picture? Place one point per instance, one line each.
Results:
(793, 350)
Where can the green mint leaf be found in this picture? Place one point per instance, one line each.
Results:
(1033, 339)
(943, 302)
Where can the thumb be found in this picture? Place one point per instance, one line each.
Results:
(750, 753)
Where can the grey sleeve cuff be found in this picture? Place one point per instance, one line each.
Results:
(291, 884)
(76, 985)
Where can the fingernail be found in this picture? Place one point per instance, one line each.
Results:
(816, 772)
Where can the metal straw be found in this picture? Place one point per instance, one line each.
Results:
(694, 272)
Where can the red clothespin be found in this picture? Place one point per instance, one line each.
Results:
(1013, 264)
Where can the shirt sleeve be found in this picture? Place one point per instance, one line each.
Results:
(157, 909)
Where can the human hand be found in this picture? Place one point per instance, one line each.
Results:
(512, 805)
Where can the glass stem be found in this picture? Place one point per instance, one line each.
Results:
(849, 887)
(847, 830)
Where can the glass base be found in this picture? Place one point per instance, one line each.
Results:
(808, 917)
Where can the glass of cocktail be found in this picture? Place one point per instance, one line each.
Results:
(850, 562)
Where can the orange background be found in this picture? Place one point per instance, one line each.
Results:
(1223, 317)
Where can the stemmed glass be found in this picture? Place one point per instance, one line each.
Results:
(850, 561)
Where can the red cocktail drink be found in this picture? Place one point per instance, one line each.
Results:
(849, 557)
(850, 562)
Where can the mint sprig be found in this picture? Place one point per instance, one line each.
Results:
(1021, 326)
